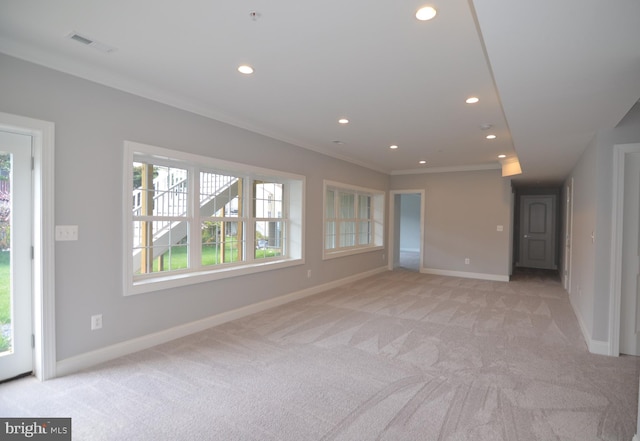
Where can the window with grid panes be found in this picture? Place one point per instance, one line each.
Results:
(353, 219)
(193, 218)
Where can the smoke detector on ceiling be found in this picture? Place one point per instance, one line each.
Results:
(91, 42)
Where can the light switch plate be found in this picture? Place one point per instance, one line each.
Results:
(66, 232)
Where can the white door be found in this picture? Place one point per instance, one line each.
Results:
(16, 353)
(567, 239)
(630, 288)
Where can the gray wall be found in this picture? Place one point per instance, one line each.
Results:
(582, 248)
(463, 210)
(91, 123)
(593, 193)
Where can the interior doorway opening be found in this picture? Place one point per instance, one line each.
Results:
(407, 233)
(537, 217)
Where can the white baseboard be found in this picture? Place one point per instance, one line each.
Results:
(597, 347)
(89, 359)
(636, 437)
(466, 275)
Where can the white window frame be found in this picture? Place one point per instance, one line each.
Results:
(376, 220)
(293, 211)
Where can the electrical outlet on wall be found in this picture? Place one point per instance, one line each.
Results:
(467, 261)
(96, 322)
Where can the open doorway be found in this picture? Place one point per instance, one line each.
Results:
(537, 216)
(407, 229)
(16, 354)
(624, 313)
(568, 228)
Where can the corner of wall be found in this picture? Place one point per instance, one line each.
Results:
(597, 347)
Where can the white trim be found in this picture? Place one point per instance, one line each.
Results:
(392, 220)
(43, 133)
(568, 236)
(457, 168)
(351, 251)
(173, 280)
(594, 346)
(617, 210)
(465, 275)
(635, 437)
(133, 285)
(376, 217)
(598, 347)
(89, 359)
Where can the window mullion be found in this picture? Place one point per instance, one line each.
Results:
(248, 219)
(372, 224)
(336, 214)
(195, 232)
(356, 203)
(284, 218)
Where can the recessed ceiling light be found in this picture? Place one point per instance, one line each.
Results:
(245, 69)
(343, 121)
(426, 13)
(422, 161)
(502, 156)
(491, 136)
(485, 126)
(472, 100)
(393, 147)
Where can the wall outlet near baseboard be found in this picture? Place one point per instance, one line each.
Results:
(308, 274)
(467, 261)
(96, 322)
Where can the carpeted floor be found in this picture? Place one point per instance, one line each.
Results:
(398, 356)
(409, 260)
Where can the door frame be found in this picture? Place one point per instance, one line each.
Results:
(553, 240)
(394, 220)
(615, 299)
(44, 337)
(568, 236)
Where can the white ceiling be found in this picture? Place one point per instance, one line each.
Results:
(549, 74)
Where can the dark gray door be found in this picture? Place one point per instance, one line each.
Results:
(537, 232)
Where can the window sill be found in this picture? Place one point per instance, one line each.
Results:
(349, 252)
(190, 278)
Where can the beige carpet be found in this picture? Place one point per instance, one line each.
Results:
(399, 356)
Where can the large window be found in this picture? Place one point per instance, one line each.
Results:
(353, 219)
(193, 218)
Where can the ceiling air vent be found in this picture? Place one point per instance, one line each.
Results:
(91, 42)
